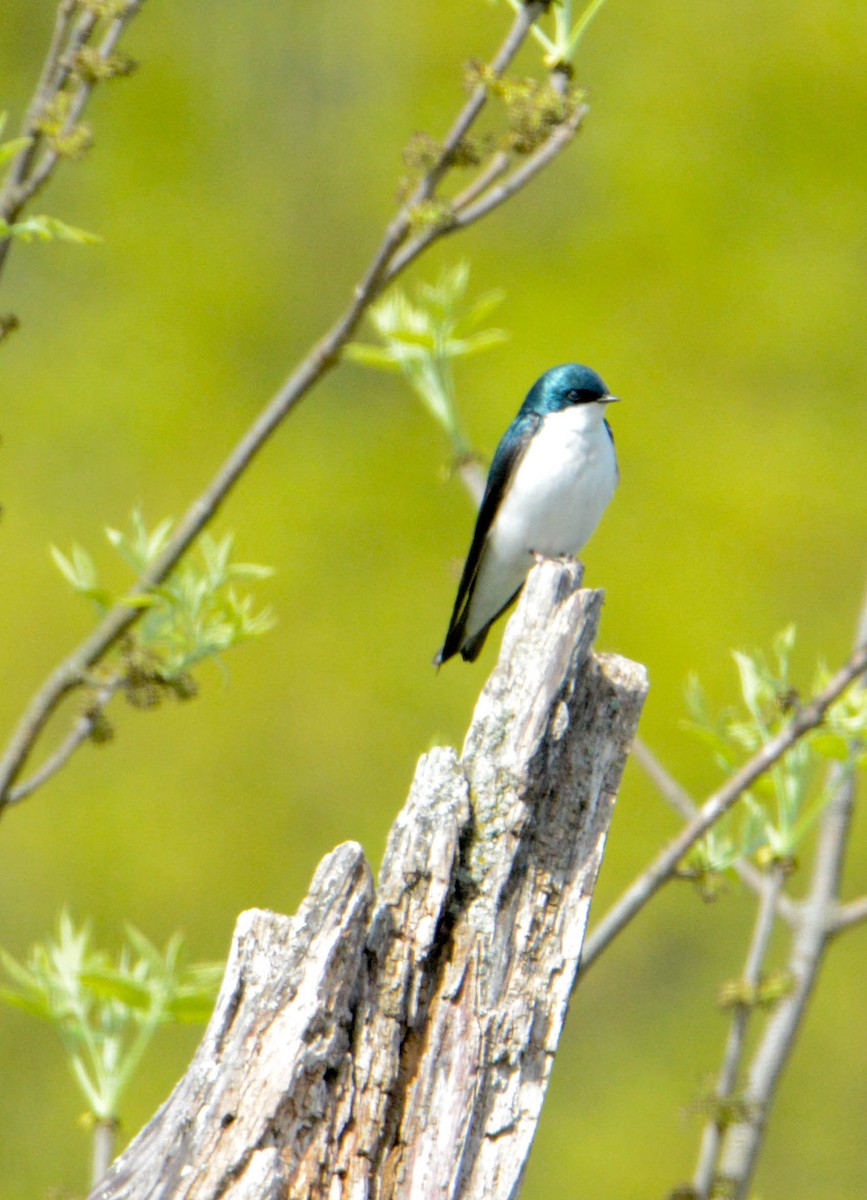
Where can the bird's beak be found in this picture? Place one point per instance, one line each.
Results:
(609, 400)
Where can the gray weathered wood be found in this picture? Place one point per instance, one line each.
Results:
(399, 1044)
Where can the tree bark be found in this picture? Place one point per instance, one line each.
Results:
(397, 1042)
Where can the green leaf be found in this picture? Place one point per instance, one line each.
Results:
(164, 593)
(12, 148)
(84, 567)
(17, 972)
(783, 644)
(47, 229)
(752, 685)
(249, 571)
(99, 596)
(106, 1013)
(478, 343)
(415, 337)
(146, 949)
(193, 1009)
(30, 1004)
(193, 615)
(832, 745)
(141, 600)
(158, 539)
(764, 787)
(78, 570)
(113, 985)
(481, 308)
(714, 740)
(64, 566)
(372, 356)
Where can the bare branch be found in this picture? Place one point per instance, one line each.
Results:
(51, 80)
(706, 1170)
(497, 167)
(473, 211)
(671, 791)
(855, 911)
(36, 163)
(50, 157)
(521, 176)
(849, 915)
(664, 866)
(744, 1140)
(516, 37)
(685, 806)
(819, 924)
(80, 732)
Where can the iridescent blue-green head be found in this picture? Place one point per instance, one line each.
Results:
(564, 386)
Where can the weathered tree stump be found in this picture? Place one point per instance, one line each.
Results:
(397, 1042)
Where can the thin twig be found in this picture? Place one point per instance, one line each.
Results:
(497, 167)
(104, 1140)
(532, 165)
(855, 911)
(495, 196)
(665, 864)
(515, 38)
(683, 804)
(817, 928)
(70, 673)
(46, 89)
(81, 732)
(667, 786)
(712, 1138)
(744, 1140)
(848, 915)
(35, 164)
(44, 169)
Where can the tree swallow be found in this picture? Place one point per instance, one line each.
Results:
(552, 477)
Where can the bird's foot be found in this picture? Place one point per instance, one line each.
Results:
(538, 557)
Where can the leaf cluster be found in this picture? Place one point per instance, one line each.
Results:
(43, 227)
(67, 137)
(421, 338)
(738, 994)
(423, 153)
(783, 805)
(106, 1011)
(93, 67)
(534, 108)
(198, 613)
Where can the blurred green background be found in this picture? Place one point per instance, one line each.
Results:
(703, 245)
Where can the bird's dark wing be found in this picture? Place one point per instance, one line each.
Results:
(616, 463)
(509, 453)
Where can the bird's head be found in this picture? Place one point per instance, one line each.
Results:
(562, 387)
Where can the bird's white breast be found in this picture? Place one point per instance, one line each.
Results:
(561, 487)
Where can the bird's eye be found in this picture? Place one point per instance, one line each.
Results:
(582, 395)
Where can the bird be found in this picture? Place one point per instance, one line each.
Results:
(551, 479)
